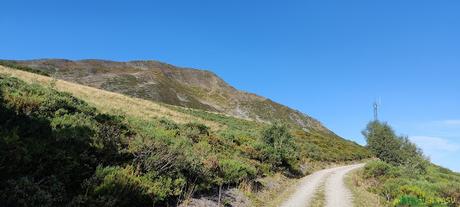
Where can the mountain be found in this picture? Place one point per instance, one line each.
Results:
(67, 144)
(165, 83)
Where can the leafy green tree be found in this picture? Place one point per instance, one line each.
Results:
(383, 142)
(397, 150)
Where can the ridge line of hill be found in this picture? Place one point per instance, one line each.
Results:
(166, 83)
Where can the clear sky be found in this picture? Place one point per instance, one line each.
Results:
(329, 59)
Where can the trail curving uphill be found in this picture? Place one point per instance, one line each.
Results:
(337, 194)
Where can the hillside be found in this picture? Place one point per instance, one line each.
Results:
(63, 143)
(402, 175)
(160, 82)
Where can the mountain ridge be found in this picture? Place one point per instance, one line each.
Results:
(166, 83)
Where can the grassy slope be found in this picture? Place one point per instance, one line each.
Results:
(107, 101)
(168, 84)
(316, 145)
(233, 142)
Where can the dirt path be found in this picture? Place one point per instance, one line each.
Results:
(337, 195)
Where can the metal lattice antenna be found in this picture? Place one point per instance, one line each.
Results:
(376, 110)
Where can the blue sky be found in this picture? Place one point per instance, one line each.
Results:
(329, 59)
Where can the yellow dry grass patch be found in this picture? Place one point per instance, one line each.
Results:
(110, 102)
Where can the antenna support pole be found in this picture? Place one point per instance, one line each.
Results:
(376, 111)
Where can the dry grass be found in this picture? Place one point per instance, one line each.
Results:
(110, 102)
(319, 200)
(358, 187)
(277, 188)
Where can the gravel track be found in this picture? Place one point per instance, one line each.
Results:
(337, 194)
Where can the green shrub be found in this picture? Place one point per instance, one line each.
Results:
(378, 169)
(425, 196)
(389, 188)
(111, 137)
(402, 189)
(414, 161)
(280, 147)
(234, 171)
(195, 131)
(125, 187)
(26, 191)
(168, 124)
(157, 156)
(408, 201)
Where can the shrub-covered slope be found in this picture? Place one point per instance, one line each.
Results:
(403, 176)
(400, 186)
(57, 150)
(191, 88)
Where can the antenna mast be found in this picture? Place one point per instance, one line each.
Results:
(376, 111)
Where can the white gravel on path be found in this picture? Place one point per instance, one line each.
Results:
(337, 194)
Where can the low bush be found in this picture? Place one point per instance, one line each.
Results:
(26, 191)
(195, 131)
(408, 200)
(378, 169)
(234, 171)
(280, 149)
(126, 187)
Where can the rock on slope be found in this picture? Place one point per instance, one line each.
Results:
(169, 84)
